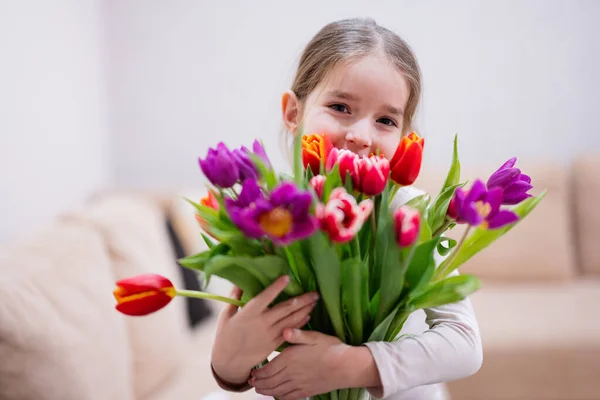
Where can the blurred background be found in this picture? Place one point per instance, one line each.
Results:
(120, 96)
(130, 93)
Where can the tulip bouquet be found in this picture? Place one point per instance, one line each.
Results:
(331, 228)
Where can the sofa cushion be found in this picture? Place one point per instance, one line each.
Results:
(586, 192)
(540, 341)
(60, 337)
(136, 236)
(523, 253)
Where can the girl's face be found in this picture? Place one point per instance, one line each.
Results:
(358, 105)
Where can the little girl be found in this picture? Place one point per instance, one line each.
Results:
(360, 84)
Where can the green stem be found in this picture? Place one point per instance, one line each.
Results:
(444, 270)
(203, 295)
(442, 228)
(355, 246)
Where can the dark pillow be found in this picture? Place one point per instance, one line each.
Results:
(198, 309)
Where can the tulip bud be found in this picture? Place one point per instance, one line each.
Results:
(406, 162)
(314, 149)
(407, 224)
(143, 294)
(220, 167)
(374, 172)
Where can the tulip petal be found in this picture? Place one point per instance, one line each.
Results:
(143, 283)
(502, 218)
(494, 198)
(509, 164)
(515, 198)
(476, 192)
(145, 305)
(525, 178)
(503, 177)
(470, 214)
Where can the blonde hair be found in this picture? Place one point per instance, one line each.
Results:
(349, 39)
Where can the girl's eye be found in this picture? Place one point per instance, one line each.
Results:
(387, 121)
(340, 108)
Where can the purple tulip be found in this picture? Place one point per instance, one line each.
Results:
(259, 150)
(246, 167)
(513, 183)
(283, 217)
(479, 206)
(220, 166)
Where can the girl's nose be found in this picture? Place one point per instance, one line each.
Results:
(359, 142)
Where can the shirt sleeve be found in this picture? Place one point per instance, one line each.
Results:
(450, 349)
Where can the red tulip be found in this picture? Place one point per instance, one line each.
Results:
(317, 183)
(374, 172)
(407, 223)
(406, 162)
(341, 218)
(143, 294)
(314, 149)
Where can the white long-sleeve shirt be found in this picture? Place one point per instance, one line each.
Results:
(444, 344)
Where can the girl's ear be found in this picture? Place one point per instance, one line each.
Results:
(290, 108)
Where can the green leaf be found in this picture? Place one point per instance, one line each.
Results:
(353, 298)
(265, 269)
(198, 261)
(332, 180)
(382, 209)
(437, 216)
(379, 333)
(392, 273)
(268, 174)
(443, 250)
(420, 203)
(397, 323)
(482, 238)
(453, 176)
(421, 267)
(326, 266)
(348, 183)
(447, 291)
(209, 242)
(424, 232)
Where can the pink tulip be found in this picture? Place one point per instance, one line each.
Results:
(341, 218)
(408, 223)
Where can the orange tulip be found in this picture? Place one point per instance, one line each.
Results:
(314, 149)
(143, 294)
(209, 201)
(406, 162)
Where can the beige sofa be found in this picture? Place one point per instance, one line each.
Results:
(60, 337)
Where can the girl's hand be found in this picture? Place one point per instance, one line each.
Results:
(317, 364)
(245, 338)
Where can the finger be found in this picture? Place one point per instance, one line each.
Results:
(271, 369)
(271, 382)
(294, 395)
(285, 387)
(295, 320)
(287, 307)
(230, 309)
(298, 336)
(261, 302)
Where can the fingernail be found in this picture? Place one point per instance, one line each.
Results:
(285, 279)
(315, 296)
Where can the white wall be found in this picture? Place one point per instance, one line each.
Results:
(511, 77)
(53, 133)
